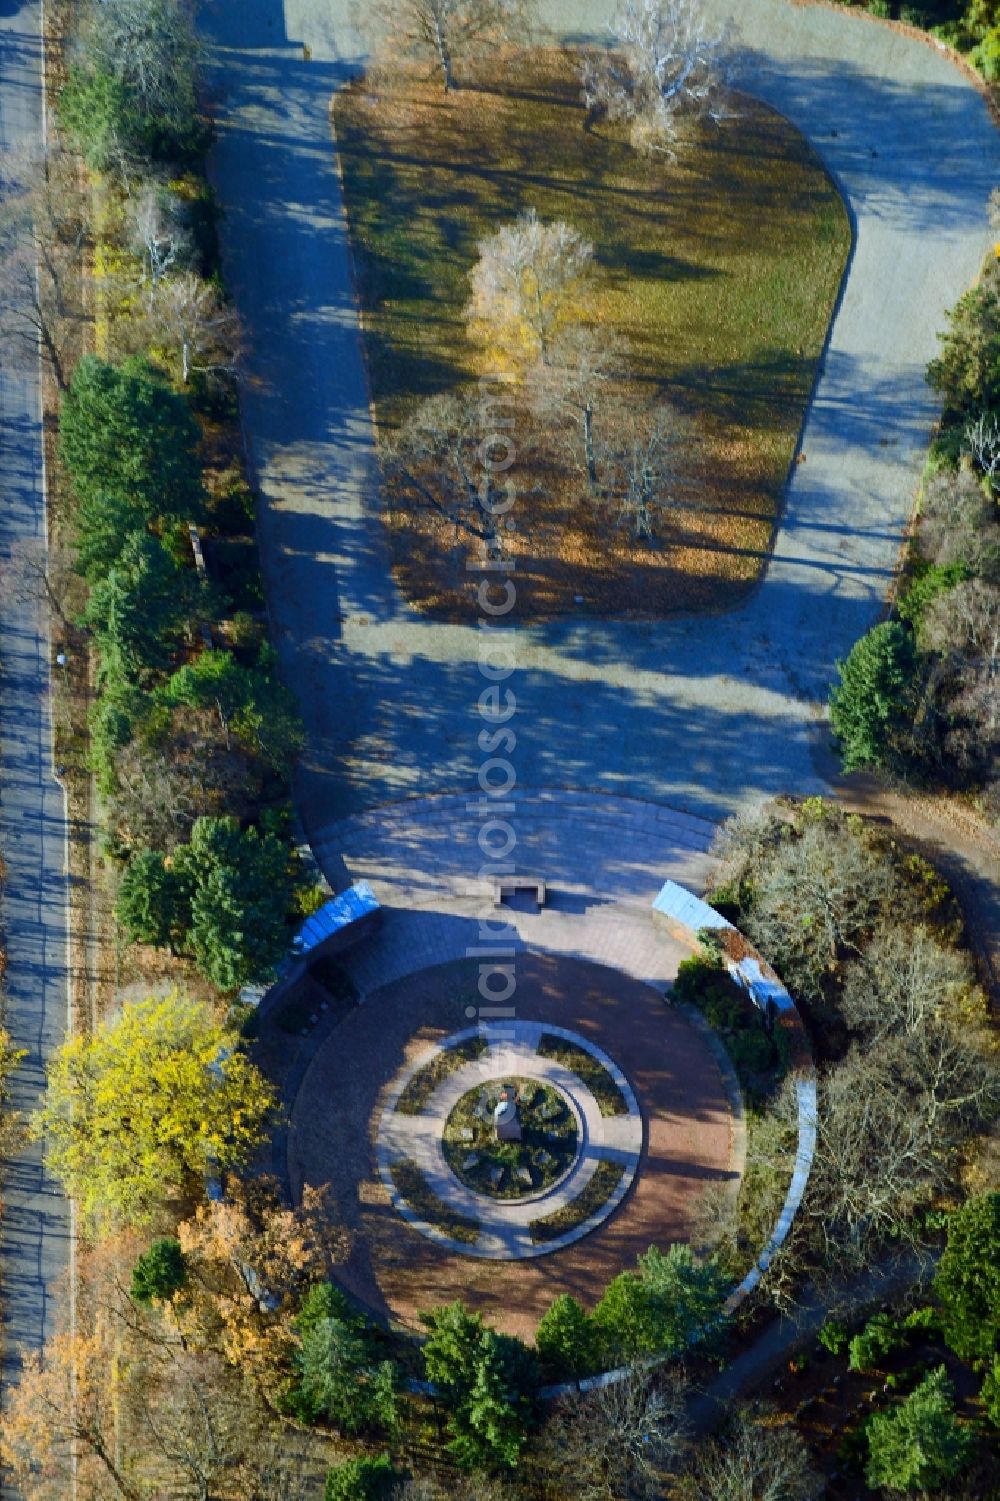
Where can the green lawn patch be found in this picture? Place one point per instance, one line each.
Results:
(418, 1194)
(720, 269)
(421, 1085)
(586, 1067)
(596, 1194)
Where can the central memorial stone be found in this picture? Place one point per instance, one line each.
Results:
(506, 1117)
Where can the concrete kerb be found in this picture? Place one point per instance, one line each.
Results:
(506, 1236)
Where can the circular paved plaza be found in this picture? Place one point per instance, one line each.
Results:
(678, 1140)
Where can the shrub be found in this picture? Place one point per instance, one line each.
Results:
(602, 1086)
(870, 706)
(880, 8)
(929, 580)
(361, 1480)
(881, 1335)
(99, 115)
(593, 1197)
(967, 371)
(990, 1393)
(159, 1272)
(834, 1336)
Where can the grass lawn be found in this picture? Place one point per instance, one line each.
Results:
(720, 270)
(602, 1086)
(598, 1191)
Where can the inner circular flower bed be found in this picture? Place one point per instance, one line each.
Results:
(511, 1169)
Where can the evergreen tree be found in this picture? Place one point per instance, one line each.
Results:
(568, 1341)
(141, 608)
(237, 888)
(160, 1272)
(967, 1282)
(486, 1381)
(148, 905)
(919, 1445)
(672, 1300)
(361, 1480)
(251, 701)
(870, 707)
(124, 433)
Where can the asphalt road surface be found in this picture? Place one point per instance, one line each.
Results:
(35, 1226)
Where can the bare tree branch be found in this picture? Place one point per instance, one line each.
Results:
(668, 63)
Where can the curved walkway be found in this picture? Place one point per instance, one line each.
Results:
(505, 1224)
(693, 713)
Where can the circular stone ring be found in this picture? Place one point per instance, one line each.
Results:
(430, 1196)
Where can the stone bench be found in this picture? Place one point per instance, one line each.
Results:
(505, 886)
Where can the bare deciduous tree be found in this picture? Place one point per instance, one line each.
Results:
(42, 232)
(668, 61)
(436, 464)
(816, 895)
(190, 318)
(158, 231)
(639, 467)
(618, 1440)
(59, 1425)
(576, 380)
(958, 523)
(966, 620)
(756, 1456)
(34, 572)
(889, 1123)
(446, 33)
(151, 45)
(904, 982)
(530, 280)
(982, 440)
(197, 1418)
(158, 797)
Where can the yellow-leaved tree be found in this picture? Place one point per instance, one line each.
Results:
(530, 280)
(157, 1099)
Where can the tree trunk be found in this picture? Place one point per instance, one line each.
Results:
(444, 56)
(588, 447)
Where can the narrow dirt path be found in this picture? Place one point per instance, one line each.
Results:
(788, 1334)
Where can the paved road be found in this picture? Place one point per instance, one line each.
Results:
(688, 713)
(35, 1228)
